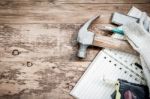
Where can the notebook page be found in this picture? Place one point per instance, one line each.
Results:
(91, 84)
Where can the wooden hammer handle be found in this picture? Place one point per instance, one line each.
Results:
(109, 42)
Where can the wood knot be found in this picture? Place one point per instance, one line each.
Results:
(53, 67)
(15, 52)
(51, 1)
(29, 64)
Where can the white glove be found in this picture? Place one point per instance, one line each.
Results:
(145, 21)
(139, 38)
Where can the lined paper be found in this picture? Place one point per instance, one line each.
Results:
(108, 64)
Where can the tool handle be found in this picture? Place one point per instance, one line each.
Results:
(109, 42)
(118, 94)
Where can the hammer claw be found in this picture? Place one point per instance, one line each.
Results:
(89, 22)
(85, 37)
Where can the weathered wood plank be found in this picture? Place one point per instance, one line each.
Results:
(24, 12)
(38, 61)
(42, 80)
(81, 1)
(45, 42)
(105, 1)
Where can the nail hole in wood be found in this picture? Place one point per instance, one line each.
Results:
(29, 64)
(15, 52)
(53, 67)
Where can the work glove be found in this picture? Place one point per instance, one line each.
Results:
(138, 35)
(145, 21)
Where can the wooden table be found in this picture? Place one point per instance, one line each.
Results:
(38, 44)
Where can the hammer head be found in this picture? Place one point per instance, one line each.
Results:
(85, 37)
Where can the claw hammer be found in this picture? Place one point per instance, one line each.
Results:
(87, 38)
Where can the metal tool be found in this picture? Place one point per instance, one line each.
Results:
(121, 19)
(87, 38)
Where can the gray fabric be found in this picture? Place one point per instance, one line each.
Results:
(138, 36)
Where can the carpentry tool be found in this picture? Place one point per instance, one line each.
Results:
(121, 19)
(118, 94)
(135, 12)
(87, 38)
(117, 30)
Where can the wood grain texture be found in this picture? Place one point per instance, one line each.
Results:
(30, 52)
(109, 42)
(46, 42)
(45, 12)
(38, 44)
(42, 80)
(105, 1)
(83, 1)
